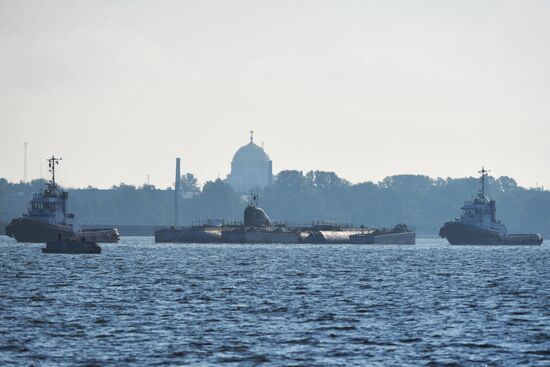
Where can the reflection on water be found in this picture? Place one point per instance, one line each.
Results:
(142, 303)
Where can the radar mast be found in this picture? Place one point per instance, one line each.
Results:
(484, 173)
(52, 162)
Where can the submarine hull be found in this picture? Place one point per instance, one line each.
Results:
(462, 234)
(259, 236)
(188, 235)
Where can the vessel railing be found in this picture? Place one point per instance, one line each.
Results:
(215, 222)
(316, 223)
(388, 229)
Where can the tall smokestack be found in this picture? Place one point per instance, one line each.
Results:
(25, 165)
(177, 193)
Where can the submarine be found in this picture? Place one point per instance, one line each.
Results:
(257, 228)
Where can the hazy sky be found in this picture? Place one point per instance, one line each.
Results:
(363, 88)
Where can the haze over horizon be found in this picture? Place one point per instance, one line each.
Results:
(363, 88)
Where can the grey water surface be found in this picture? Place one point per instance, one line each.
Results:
(140, 303)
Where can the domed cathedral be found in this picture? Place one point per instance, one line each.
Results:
(250, 168)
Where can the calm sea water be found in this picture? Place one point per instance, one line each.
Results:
(139, 303)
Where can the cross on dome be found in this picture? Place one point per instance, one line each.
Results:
(251, 136)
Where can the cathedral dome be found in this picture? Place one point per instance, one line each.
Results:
(250, 153)
(251, 168)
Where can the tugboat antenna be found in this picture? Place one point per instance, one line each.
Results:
(484, 173)
(51, 166)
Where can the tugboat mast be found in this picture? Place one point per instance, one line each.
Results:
(51, 167)
(484, 173)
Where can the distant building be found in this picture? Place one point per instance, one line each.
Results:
(251, 168)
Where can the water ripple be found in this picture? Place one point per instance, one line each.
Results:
(147, 304)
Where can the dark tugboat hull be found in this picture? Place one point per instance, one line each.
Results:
(71, 247)
(33, 231)
(462, 234)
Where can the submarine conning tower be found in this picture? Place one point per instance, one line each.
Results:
(254, 216)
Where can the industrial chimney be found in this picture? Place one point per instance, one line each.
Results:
(177, 193)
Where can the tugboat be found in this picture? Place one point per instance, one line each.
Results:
(73, 246)
(478, 224)
(47, 219)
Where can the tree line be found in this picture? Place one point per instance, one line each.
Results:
(298, 198)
